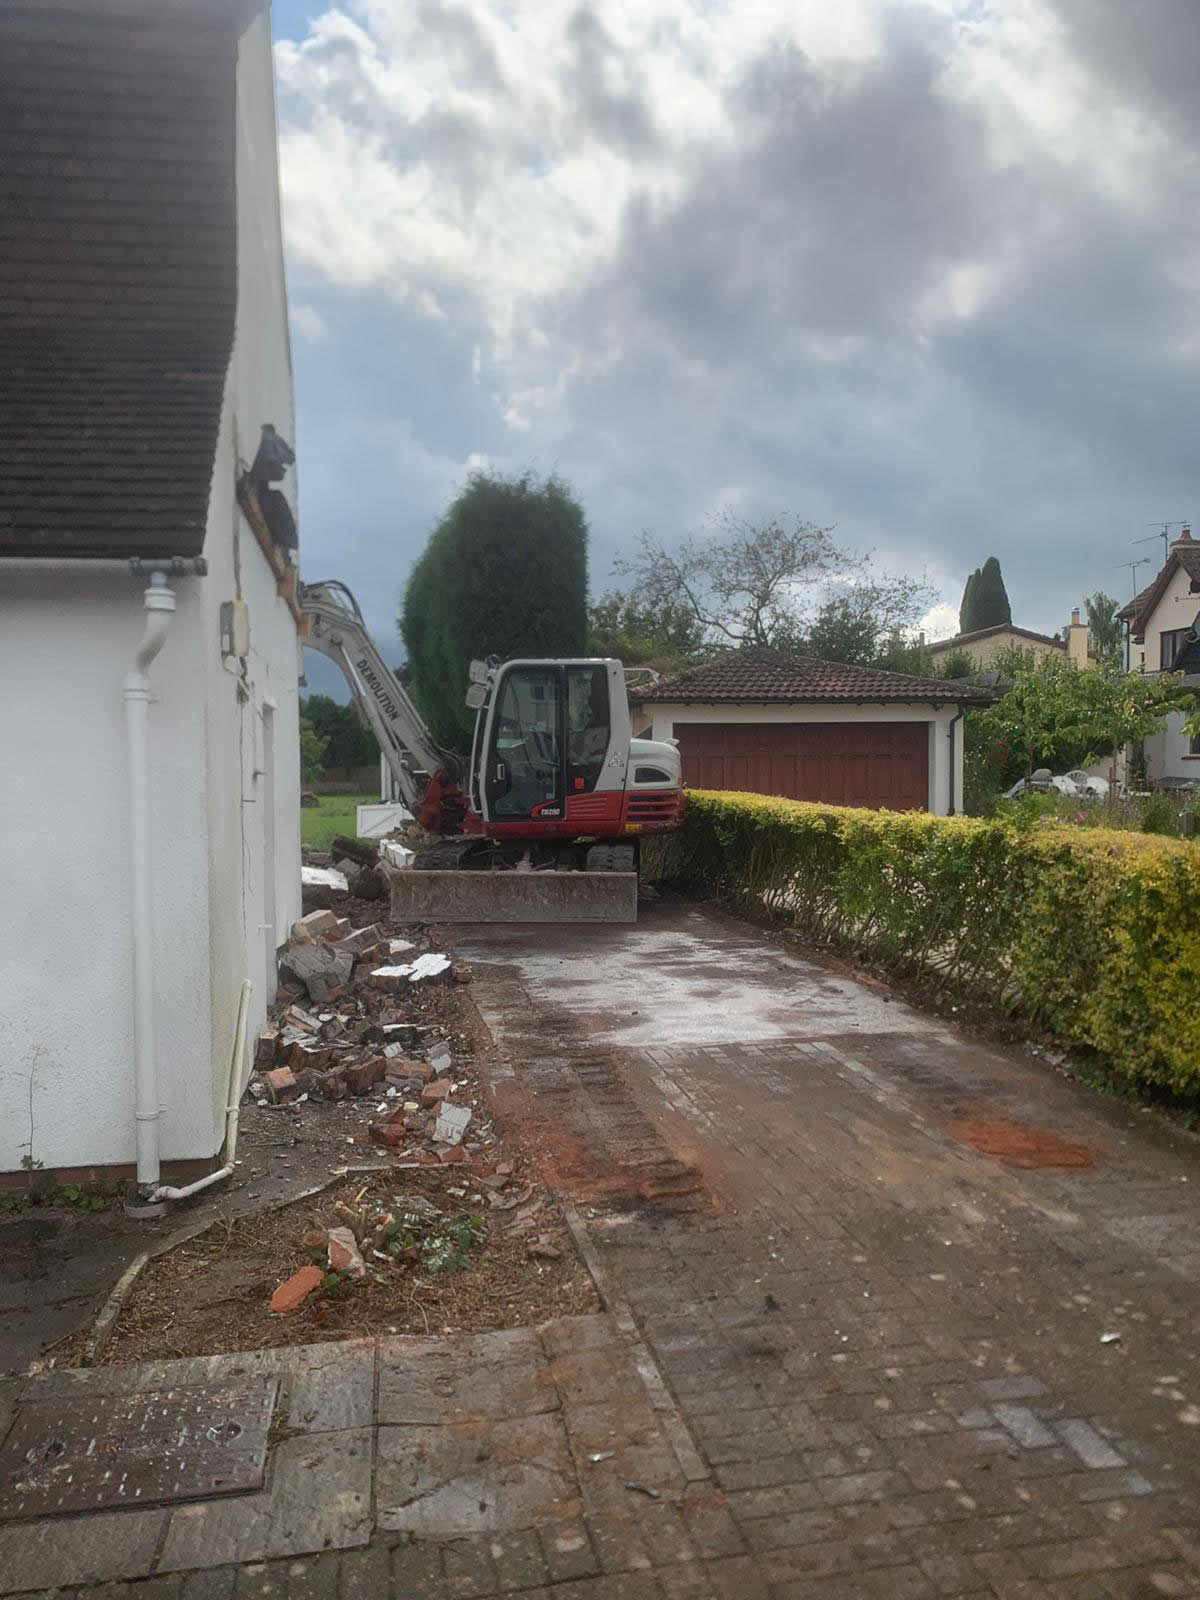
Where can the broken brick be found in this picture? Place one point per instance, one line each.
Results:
(268, 1043)
(332, 1086)
(364, 939)
(281, 1082)
(391, 1134)
(296, 1290)
(433, 1093)
(317, 925)
(344, 1254)
(364, 1075)
(403, 1067)
(453, 1155)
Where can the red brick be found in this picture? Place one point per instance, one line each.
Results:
(433, 1093)
(281, 1081)
(296, 1290)
(364, 1075)
(453, 1155)
(392, 1134)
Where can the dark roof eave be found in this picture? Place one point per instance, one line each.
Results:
(982, 697)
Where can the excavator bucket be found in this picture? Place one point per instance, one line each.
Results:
(497, 896)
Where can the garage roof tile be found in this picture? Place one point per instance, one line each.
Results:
(760, 676)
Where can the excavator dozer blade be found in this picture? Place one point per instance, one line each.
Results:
(486, 896)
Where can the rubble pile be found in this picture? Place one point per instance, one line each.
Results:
(378, 1233)
(346, 1024)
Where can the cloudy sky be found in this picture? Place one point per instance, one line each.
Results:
(927, 270)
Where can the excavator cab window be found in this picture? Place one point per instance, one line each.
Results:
(524, 768)
(588, 727)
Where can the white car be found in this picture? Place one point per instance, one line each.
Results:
(1088, 783)
(1076, 784)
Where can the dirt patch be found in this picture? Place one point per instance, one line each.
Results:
(211, 1294)
(1018, 1145)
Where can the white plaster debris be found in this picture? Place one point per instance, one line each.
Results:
(397, 947)
(451, 1123)
(418, 971)
(395, 854)
(323, 878)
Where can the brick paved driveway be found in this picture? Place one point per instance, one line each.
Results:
(887, 1356)
(894, 1351)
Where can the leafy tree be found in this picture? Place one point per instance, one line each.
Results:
(1056, 714)
(863, 624)
(753, 584)
(620, 625)
(312, 752)
(1104, 628)
(505, 574)
(985, 599)
(348, 743)
(957, 664)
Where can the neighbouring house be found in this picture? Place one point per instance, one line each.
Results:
(985, 644)
(1157, 623)
(784, 724)
(148, 616)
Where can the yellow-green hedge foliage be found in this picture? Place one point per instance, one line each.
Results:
(1093, 933)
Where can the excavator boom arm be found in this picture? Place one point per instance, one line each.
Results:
(337, 630)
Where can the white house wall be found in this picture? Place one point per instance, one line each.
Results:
(258, 391)
(1168, 751)
(664, 717)
(68, 632)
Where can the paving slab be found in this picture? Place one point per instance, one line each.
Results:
(319, 1498)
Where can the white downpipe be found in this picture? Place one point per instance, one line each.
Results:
(234, 1091)
(159, 602)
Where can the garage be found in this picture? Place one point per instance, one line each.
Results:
(771, 722)
(878, 764)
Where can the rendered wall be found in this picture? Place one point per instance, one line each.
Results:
(68, 632)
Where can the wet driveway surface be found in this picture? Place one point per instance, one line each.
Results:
(931, 1311)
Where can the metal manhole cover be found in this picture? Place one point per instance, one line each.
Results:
(136, 1449)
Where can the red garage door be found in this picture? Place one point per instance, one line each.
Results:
(881, 764)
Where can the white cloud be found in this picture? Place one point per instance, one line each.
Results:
(940, 622)
(309, 322)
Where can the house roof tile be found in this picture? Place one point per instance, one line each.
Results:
(1185, 556)
(760, 676)
(961, 640)
(118, 270)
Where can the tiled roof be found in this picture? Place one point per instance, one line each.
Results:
(1137, 612)
(759, 676)
(118, 270)
(961, 640)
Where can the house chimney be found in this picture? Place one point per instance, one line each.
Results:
(1077, 640)
(1185, 537)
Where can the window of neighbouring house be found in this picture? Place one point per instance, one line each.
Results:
(1169, 641)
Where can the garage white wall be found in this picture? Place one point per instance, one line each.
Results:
(945, 772)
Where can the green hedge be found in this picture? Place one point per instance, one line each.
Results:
(1091, 933)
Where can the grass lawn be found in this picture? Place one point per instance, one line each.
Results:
(337, 813)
